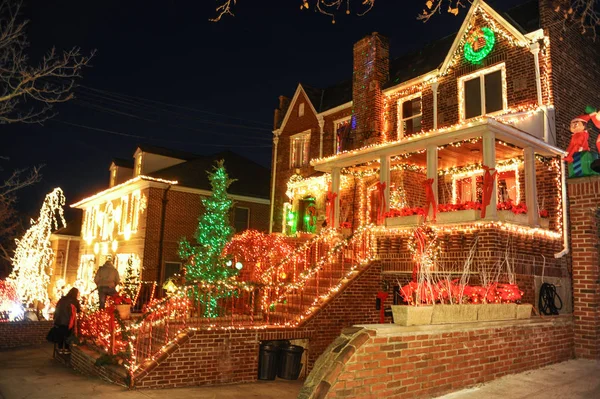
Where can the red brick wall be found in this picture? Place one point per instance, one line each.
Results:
(371, 71)
(219, 357)
(585, 243)
(575, 71)
(410, 364)
(24, 333)
(181, 220)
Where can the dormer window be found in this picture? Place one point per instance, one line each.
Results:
(301, 109)
(482, 92)
(113, 177)
(409, 115)
(138, 165)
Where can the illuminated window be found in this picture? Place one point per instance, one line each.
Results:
(409, 115)
(342, 135)
(241, 219)
(299, 149)
(134, 211)
(482, 92)
(301, 109)
(138, 165)
(124, 213)
(469, 189)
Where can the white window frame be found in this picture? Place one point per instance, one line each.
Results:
(301, 110)
(124, 214)
(401, 119)
(113, 177)
(335, 129)
(480, 74)
(306, 157)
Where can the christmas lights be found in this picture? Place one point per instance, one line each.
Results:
(34, 255)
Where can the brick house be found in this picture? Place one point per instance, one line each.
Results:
(154, 201)
(499, 94)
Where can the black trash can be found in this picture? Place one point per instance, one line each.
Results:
(290, 362)
(268, 360)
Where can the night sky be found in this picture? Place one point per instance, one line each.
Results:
(164, 75)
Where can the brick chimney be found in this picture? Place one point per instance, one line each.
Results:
(371, 71)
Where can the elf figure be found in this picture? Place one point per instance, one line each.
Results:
(579, 140)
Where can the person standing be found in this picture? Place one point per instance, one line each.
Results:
(65, 320)
(107, 278)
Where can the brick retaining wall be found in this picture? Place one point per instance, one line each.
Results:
(389, 361)
(23, 333)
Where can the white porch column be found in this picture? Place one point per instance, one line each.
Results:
(530, 187)
(335, 188)
(384, 177)
(432, 169)
(534, 48)
(489, 160)
(434, 89)
(276, 134)
(321, 121)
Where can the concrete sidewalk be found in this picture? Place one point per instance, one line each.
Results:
(574, 379)
(32, 373)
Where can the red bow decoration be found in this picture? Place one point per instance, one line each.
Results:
(380, 214)
(429, 198)
(330, 207)
(488, 186)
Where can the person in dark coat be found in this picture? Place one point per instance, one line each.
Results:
(65, 317)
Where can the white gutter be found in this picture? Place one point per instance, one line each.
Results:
(276, 134)
(535, 50)
(564, 211)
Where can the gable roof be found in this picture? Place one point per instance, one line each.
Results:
(73, 227)
(518, 20)
(299, 90)
(252, 179)
(167, 152)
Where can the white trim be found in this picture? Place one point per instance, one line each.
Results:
(463, 28)
(139, 182)
(208, 193)
(55, 236)
(336, 109)
(414, 81)
(299, 90)
(478, 75)
(400, 119)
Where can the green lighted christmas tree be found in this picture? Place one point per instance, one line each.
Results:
(204, 260)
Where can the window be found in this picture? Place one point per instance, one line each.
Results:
(342, 135)
(241, 219)
(301, 109)
(299, 149)
(171, 269)
(124, 213)
(483, 92)
(113, 177)
(409, 115)
(138, 165)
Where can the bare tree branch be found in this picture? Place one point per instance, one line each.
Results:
(28, 93)
(326, 7)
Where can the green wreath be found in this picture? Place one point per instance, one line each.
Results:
(475, 57)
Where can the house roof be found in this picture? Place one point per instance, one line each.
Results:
(525, 17)
(167, 152)
(73, 225)
(252, 178)
(124, 163)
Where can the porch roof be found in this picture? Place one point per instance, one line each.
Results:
(502, 131)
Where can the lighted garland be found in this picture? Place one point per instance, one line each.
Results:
(482, 34)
